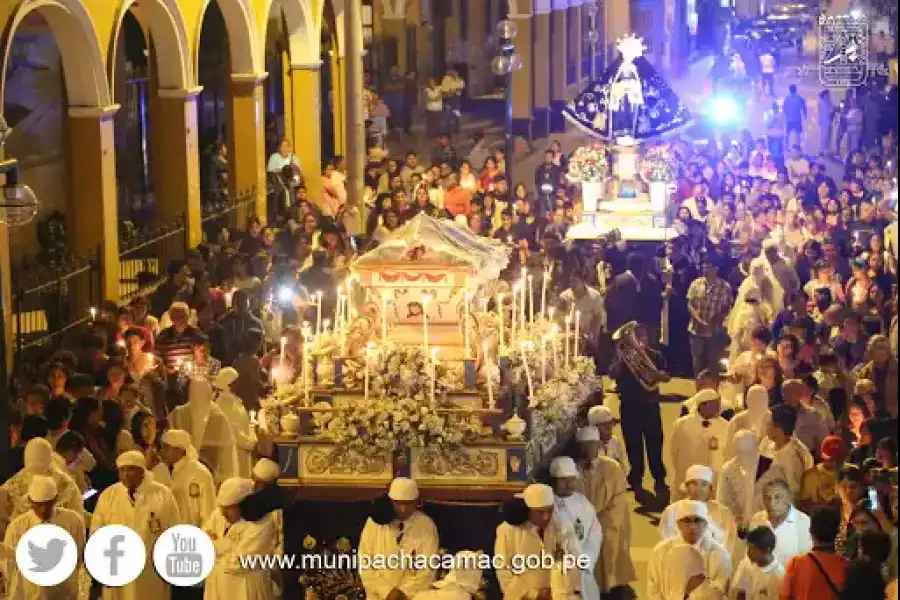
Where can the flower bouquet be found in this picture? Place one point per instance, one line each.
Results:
(589, 164)
(659, 163)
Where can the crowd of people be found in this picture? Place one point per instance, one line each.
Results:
(778, 296)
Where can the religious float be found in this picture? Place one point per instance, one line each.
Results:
(431, 368)
(626, 172)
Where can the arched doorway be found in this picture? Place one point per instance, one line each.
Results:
(213, 74)
(277, 61)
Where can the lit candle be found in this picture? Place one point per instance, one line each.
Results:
(338, 308)
(384, 305)
(283, 346)
(513, 315)
(488, 374)
(307, 369)
(434, 352)
(551, 312)
(253, 420)
(426, 298)
(484, 305)
(500, 318)
(554, 332)
(543, 359)
(527, 376)
(466, 323)
(326, 324)
(318, 312)
(93, 314)
(566, 339)
(530, 299)
(544, 283)
(577, 333)
(522, 313)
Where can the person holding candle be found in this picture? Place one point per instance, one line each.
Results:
(587, 301)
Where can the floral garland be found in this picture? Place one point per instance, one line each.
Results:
(659, 163)
(589, 163)
(399, 413)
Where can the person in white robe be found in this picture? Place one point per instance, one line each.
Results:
(759, 574)
(692, 519)
(462, 582)
(265, 474)
(148, 508)
(410, 532)
(698, 439)
(241, 427)
(38, 461)
(605, 485)
(537, 533)
(190, 481)
(791, 527)
(575, 511)
(738, 489)
(43, 494)
(721, 524)
(790, 457)
(753, 418)
(233, 537)
(750, 312)
(210, 430)
(687, 572)
(611, 446)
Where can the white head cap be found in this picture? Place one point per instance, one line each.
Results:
(132, 458)
(465, 572)
(699, 473)
(563, 466)
(691, 508)
(600, 415)
(587, 434)
(225, 378)
(757, 399)
(178, 438)
(704, 396)
(537, 495)
(234, 490)
(38, 455)
(266, 470)
(42, 489)
(403, 489)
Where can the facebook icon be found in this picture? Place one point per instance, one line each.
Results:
(114, 554)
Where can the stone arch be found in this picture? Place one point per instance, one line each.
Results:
(243, 41)
(166, 25)
(79, 47)
(301, 27)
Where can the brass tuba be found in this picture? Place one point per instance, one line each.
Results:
(631, 352)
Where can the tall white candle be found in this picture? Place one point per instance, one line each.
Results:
(500, 319)
(543, 359)
(488, 374)
(283, 345)
(384, 306)
(466, 324)
(522, 313)
(527, 375)
(366, 376)
(338, 307)
(554, 339)
(318, 312)
(530, 299)
(514, 313)
(426, 298)
(566, 335)
(307, 368)
(577, 333)
(544, 283)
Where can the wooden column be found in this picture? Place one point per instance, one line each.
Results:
(247, 163)
(541, 83)
(304, 84)
(558, 63)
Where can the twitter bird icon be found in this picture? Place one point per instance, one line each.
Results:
(45, 559)
(46, 555)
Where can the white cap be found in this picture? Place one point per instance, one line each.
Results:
(403, 489)
(587, 434)
(699, 473)
(691, 508)
(38, 455)
(132, 458)
(563, 466)
(225, 378)
(704, 396)
(537, 495)
(233, 490)
(465, 573)
(266, 470)
(42, 489)
(600, 415)
(178, 438)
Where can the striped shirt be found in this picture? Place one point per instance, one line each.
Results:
(174, 348)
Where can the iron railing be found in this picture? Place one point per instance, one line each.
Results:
(143, 257)
(224, 211)
(50, 305)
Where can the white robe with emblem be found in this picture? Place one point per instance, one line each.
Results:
(229, 579)
(153, 511)
(577, 513)
(193, 487)
(659, 579)
(22, 589)
(16, 496)
(606, 488)
(721, 525)
(419, 537)
(514, 542)
(693, 444)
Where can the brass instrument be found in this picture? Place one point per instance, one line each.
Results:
(632, 352)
